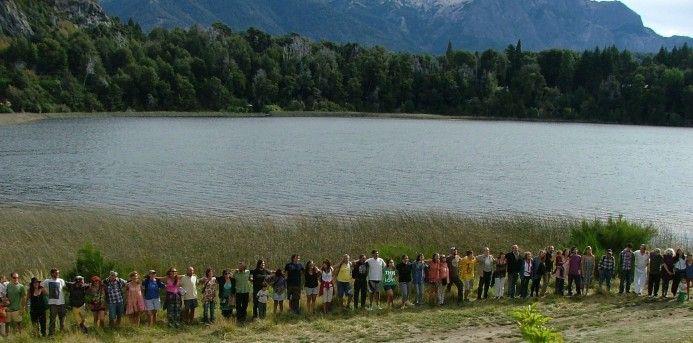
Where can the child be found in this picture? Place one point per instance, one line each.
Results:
(389, 281)
(262, 296)
(326, 285)
(279, 288)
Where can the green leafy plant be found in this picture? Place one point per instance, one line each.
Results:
(89, 263)
(533, 325)
(610, 234)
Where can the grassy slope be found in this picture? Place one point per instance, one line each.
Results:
(595, 318)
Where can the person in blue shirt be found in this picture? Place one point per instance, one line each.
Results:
(152, 301)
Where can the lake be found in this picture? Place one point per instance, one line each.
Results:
(288, 166)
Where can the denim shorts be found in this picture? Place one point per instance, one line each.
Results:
(312, 290)
(115, 310)
(343, 288)
(389, 287)
(190, 303)
(152, 304)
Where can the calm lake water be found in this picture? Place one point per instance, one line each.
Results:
(281, 166)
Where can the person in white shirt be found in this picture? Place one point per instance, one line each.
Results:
(642, 259)
(55, 289)
(375, 276)
(189, 284)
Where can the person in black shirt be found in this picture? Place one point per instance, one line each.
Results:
(548, 264)
(360, 275)
(293, 271)
(78, 291)
(404, 274)
(514, 265)
(259, 275)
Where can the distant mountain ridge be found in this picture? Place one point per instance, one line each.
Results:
(416, 25)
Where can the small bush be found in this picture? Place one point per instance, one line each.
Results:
(90, 262)
(395, 252)
(271, 108)
(533, 325)
(610, 234)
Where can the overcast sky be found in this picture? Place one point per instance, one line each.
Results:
(666, 17)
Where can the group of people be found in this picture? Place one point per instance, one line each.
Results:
(512, 274)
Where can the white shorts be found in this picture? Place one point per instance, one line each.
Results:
(152, 304)
(312, 291)
(327, 294)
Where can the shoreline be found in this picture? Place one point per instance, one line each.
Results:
(27, 117)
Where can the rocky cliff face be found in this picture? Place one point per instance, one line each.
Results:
(415, 25)
(22, 18)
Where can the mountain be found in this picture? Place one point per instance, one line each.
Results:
(415, 25)
(25, 17)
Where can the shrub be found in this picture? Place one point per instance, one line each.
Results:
(395, 252)
(610, 234)
(533, 325)
(90, 262)
(271, 108)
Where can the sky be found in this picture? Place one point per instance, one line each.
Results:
(666, 17)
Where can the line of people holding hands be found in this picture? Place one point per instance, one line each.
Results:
(348, 284)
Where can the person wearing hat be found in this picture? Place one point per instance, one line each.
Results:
(78, 291)
(96, 295)
(116, 301)
(152, 301)
(38, 305)
(606, 269)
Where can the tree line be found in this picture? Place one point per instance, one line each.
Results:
(119, 67)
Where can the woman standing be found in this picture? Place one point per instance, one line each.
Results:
(97, 299)
(444, 275)
(226, 294)
(326, 286)
(390, 282)
(500, 274)
(418, 269)
(173, 298)
(433, 278)
(209, 294)
(134, 298)
(278, 282)
(559, 273)
(404, 271)
(312, 273)
(38, 304)
(526, 274)
(538, 268)
(667, 270)
(587, 269)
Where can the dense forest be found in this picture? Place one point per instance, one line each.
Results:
(118, 67)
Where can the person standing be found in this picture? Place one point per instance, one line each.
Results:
(574, 272)
(209, 296)
(642, 259)
(134, 299)
(468, 266)
(152, 302)
(679, 270)
(487, 263)
(526, 274)
(78, 291)
(654, 277)
(560, 274)
(310, 282)
(55, 287)
(606, 269)
(38, 305)
(243, 289)
(499, 275)
(627, 259)
(689, 275)
(189, 284)
(260, 275)
(226, 294)
(514, 265)
(326, 285)
(116, 301)
(293, 270)
(16, 295)
(538, 270)
(390, 282)
(548, 264)
(418, 269)
(667, 270)
(344, 289)
(375, 276)
(454, 270)
(359, 273)
(404, 271)
(587, 264)
(97, 301)
(433, 278)
(173, 298)
(262, 296)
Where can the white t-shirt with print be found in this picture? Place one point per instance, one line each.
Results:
(375, 269)
(56, 291)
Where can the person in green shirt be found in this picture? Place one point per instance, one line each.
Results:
(16, 295)
(243, 287)
(390, 281)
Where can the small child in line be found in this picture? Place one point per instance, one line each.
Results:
(262, 297)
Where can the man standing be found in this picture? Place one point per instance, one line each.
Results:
(359, 273)
(259, 276)
(468, 266)
(454, 270)
(655, 275)
(55, 287)
(375, 276)
(626, 265)
(189, 284)
(343, 273)
(574, 272)
(487, 264)
(16, 295)
(116, 303)
(548, 263)
(514, 266)
(78, 290)
(293, 270)
(606, 270)
(243, 287)
(642, 259)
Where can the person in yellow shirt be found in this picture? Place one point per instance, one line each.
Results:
(468, 267)
(343, 272)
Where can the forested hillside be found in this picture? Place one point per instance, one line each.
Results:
(72, 64)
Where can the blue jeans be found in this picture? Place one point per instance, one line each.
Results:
(404, 290)
(512, 284)
(419, 288)
(605, 277)
(626, 278)
(115, 311)
(208, 308)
